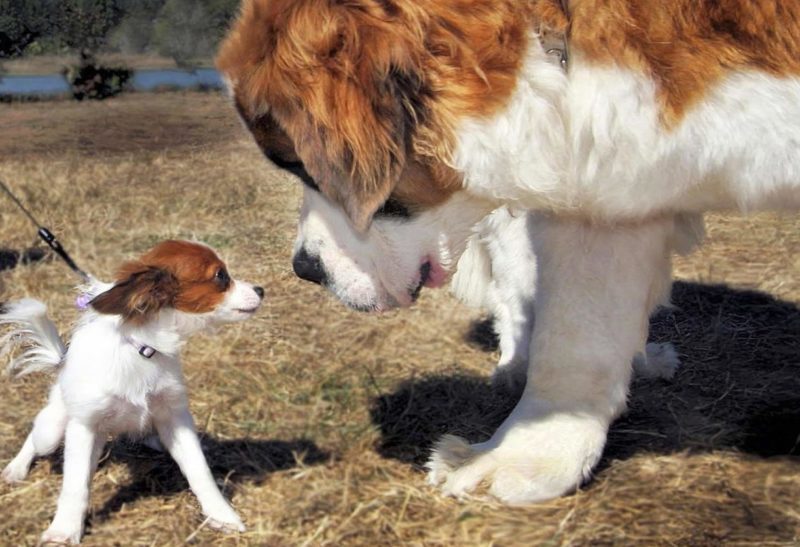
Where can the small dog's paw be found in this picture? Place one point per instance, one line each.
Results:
(228, 522)
(57, 536)
(14, 473)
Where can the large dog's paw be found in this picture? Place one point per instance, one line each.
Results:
(526, 461)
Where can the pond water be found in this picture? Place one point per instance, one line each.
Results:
(143, 80)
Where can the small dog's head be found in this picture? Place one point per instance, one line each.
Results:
(181, 275)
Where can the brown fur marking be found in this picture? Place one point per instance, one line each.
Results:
(142, 292)
(687, 46)
(370, 91)
(178, 274)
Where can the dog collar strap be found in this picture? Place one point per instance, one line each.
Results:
(142, 349)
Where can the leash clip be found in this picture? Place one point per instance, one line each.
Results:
(561, 53)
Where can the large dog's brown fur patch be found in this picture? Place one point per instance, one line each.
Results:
(368, 93)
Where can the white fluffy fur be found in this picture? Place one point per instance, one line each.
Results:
(105, 387)
(497, 271)
(380, 269)
(43, 347)
(591, 143)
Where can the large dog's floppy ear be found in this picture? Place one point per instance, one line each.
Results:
(358, 159)
(343, 80)
(141, 292)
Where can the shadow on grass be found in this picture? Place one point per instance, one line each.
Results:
(738, 386)
(233, 462)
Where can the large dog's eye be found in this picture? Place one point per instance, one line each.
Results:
(393, 209)
(222, 279)
(296, 168)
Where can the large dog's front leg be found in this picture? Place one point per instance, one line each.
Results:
(595, 289)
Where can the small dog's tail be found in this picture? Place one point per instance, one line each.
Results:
(44, 349)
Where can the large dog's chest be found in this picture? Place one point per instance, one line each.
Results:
(593, 142)
(664, 106)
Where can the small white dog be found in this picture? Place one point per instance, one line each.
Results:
(122, 372)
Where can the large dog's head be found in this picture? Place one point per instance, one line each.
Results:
(361, 99)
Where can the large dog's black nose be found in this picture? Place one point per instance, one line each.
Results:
(309, 267)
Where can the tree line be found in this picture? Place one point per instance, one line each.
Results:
(185, 30)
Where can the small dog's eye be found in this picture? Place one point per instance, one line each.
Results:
(222, 278)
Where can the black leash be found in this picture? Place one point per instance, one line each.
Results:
(48, 236)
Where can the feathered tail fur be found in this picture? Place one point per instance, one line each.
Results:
(43, 347)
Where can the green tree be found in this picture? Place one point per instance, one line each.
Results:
(222, 13)
(24, 21)
(84, 24)
(182, 29)
(134, 34)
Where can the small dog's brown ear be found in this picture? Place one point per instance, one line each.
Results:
(143, 291)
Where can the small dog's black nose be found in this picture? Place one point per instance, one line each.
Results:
(309, 267)
(259, 291)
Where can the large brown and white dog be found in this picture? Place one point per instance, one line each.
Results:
(410, 120)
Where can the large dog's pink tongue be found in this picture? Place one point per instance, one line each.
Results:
(437, 276)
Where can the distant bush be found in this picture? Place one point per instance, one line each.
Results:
(187, 29)
(182, 31)
(133, 34)
(88, 80)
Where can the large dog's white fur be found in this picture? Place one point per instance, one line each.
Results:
(598, 131)
(497, 272)
(599, 127)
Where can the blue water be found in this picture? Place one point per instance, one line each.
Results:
(33, 85)
(143, 80)
(147, 80)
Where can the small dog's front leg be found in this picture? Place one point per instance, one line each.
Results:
(177, 432)
(82, 446)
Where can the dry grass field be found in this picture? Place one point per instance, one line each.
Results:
(316, 419)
